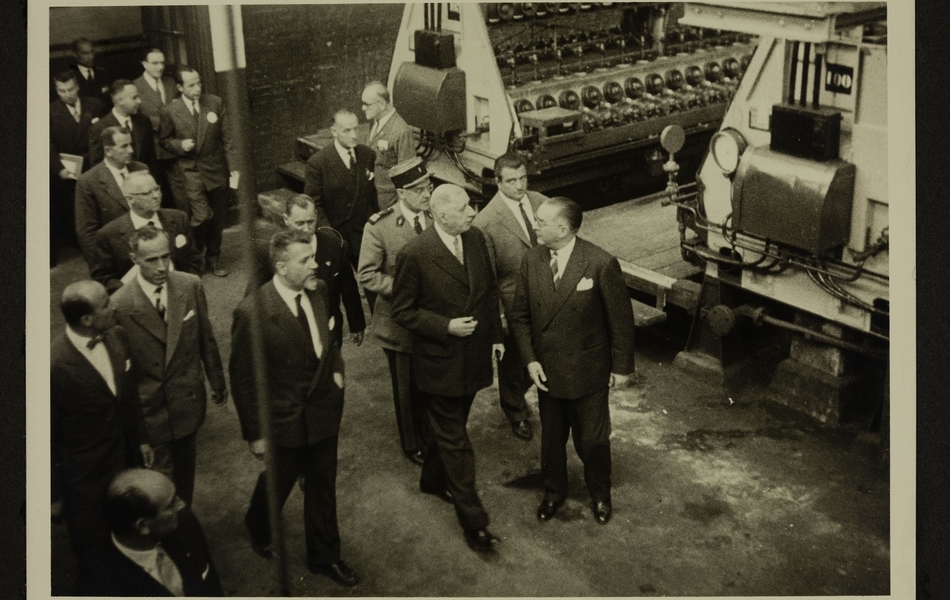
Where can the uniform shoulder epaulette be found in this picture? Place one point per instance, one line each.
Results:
(376, 217)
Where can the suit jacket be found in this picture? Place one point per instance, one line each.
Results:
(112, 247)
(338, 193)
(68, 136)
(91, 429)
(580, 332)
(152, 105)
(385, 235)
(305, 404)
(97, 88)
(429, 289)
(393, 144)
(142, 139)
(507, 242)
(333, 267)
(204, 167)
(186, 546)
(168, 355)
(99, 201)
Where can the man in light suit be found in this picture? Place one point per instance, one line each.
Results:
(194, 128)
(385, 235)
(508, 224)
(304, 372)
(574, 325)
(339, 178)
(70, 117)
(156, 90)
(165, 315)
(444, 292)
(389, 136)
(99, 197)
(153, 531)
(113, 259)
(125, 114)
(95, 429)
(333, 265)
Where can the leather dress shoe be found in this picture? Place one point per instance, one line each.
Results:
(339, 572)
(261, 549)
(215, 267)
(415, 457)
(480, 540)
(522, 429)
(547, 509)
(602, 512)
(442, 494)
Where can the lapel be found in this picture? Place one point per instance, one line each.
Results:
(203, 125)
(575, 269)
(507, 220)
(83, 369)
(175, 312)
(117, 360)
(281, 319)
(319, 308)
(186, 122)
(110, 186)
(439, 254)
(143, 312)
(473, 265)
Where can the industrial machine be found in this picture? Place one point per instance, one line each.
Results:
(788, 215)
(583, 90)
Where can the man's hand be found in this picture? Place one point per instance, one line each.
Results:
(56, 511)
(65, 174)
(618, 381)
(498, 351)
(257, 448)
(188, 145)
(148, 455)
(536, 371)
(357, 337)
(462, 326)
(338, 379)
(219, 397)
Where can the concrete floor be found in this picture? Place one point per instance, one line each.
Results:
(715, 493)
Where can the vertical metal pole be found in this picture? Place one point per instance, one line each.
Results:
(228, 42)
(806, 56)
(793, 74)
(814, 92)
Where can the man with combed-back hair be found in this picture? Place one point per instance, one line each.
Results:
(389, 136)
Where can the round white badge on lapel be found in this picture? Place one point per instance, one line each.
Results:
(383, 145)
(212, 117)
(180, 241)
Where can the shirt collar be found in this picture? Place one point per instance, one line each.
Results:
(410, 216)
(191, 104)
(149, 288)
(285, 292)
(115, 171)
(147, 559)
(381, 122)
(79, 341)
(140, 222)
(121, 118)
(448, 240)
(565, 252)
(343, 152)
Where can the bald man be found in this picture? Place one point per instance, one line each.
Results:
(389, 136)
(94, 416)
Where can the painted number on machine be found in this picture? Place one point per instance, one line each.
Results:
(839, 78)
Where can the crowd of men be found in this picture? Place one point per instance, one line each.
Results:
(450, 293)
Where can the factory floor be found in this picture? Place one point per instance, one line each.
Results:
(715, 493)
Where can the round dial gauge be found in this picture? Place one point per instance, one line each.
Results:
(726, 147)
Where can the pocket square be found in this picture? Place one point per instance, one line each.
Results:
(331, 323)
(190, 314)
(585, 283)
(128, 364)
(204, 574)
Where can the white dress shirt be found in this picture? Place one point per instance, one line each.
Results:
(344, 153)
(514, 206)
(87, 73)
(123, 120)
(192, 105)
(119, 174)
(149, 289)
(381, 122)
(564, 255)
(411, 216)
(449, 240)
(98, 357)
(148, 560)
(289, 297)
(157, 86)
(76, 109)
(140, 222)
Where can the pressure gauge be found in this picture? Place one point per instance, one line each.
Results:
(694, 76)
(674, 79)
(613, 92)
(523, 105)
(591, 96)
(633, 87)
(726, 147)
(569, 99)
(655, 83)
(546, 101)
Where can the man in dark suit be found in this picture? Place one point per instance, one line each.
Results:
(508, 224)
(574, 325)
(165, 315)
(194, 128)
(113, 258)
(156, 90)
(444, 292)
(385, 235)
(125, 114)
(157, 547)
(339, 178)
(99, 197)
(95, 430)
(93, 80)
(304, 372)
(333, 266)
(389, 136)
(70, 117)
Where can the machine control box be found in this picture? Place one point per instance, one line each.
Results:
(798, 202)
(429, 98)
(435, 49)
(805, 131)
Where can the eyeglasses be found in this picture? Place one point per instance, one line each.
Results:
(376, 101)
(426, 187)
(154, 190)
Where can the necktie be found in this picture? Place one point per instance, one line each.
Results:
(74, 111)
(93, 341)
(151, 223)
(168, 572)
(458, 249)
(158, 302)
(352, 159)
(532, 236)
(417, 225)
(374, 130)
(554, 270)
(161, 90)
(305, 325)
(194, 110)
(128, 125)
